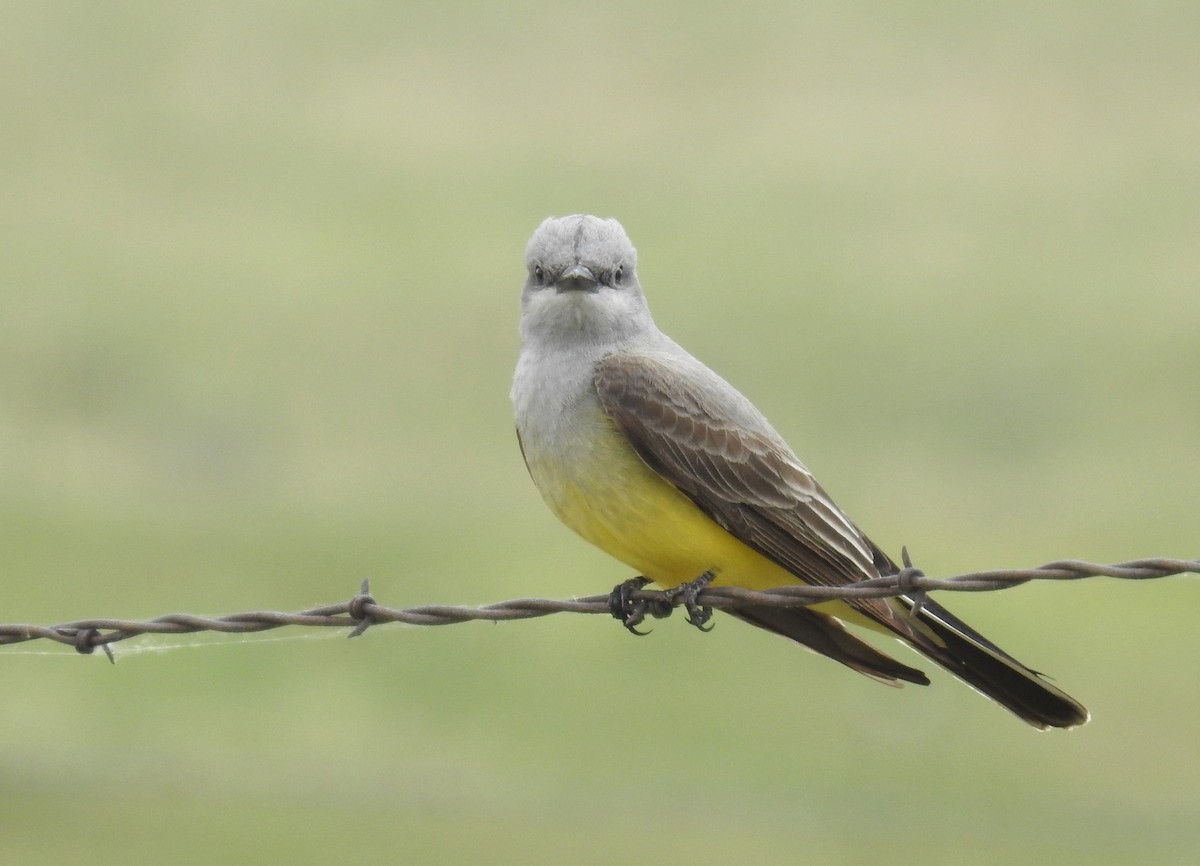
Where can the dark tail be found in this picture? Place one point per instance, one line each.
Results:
(955, 646)
(977, 661)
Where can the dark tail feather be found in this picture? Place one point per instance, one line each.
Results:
(824, 634)
(976, 660)
(958, 648)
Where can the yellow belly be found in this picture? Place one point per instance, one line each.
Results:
(615, 501)
(610, 497)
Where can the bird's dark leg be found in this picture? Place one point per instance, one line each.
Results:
(687, 593)
(632, 611)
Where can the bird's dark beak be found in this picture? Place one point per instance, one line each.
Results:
(577, 279)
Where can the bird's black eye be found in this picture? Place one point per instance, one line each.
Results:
(539, 275)
(618, 275)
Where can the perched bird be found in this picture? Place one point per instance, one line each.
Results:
(654, 458)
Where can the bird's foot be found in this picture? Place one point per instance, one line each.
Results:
(687, 593)
(632, 611)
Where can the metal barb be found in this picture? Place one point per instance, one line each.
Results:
(356, 608)
(907, 579)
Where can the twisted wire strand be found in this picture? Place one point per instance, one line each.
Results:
(362, 610)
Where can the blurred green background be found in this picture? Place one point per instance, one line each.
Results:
(260, 266)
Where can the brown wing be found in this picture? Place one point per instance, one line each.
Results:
(712, 445)
(701, 435)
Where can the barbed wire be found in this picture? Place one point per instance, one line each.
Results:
(363, 611)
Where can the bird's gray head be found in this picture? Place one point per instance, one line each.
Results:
(582, 286)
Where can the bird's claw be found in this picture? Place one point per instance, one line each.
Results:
(629, 610)
(687, 593)
(632, 611)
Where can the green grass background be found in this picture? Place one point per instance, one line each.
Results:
(259, 272)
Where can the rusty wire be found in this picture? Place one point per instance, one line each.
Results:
(362, 610)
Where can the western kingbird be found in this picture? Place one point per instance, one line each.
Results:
(654, 458)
